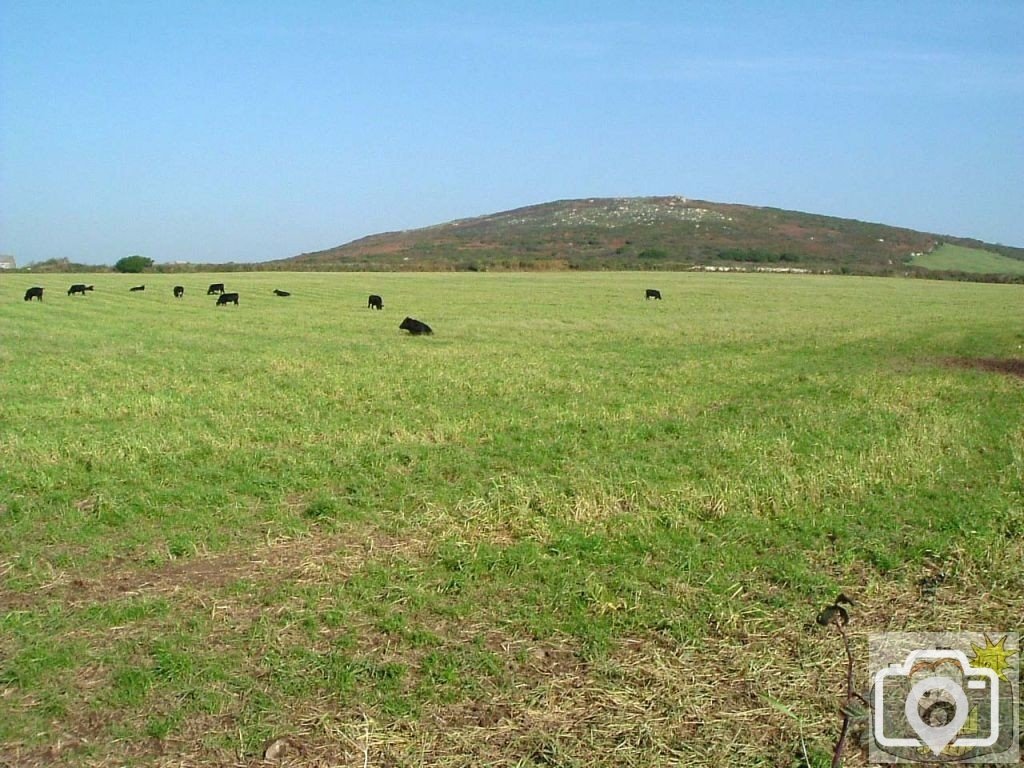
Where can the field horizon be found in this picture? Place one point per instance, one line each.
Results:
(573, 527)
(656, 234)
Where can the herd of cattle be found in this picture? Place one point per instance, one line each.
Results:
(413, 326)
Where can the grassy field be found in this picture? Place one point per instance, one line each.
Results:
(958, 258)
(573, 527)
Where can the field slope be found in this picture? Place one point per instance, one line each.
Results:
(573, 527)
(958, 258)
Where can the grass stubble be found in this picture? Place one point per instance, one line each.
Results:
(572, 528)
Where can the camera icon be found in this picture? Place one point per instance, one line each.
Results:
(935, 693)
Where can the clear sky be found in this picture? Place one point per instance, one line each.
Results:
(242, 131)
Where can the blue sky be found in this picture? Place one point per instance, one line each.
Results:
(243, 131)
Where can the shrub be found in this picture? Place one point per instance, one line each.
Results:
(133, 264)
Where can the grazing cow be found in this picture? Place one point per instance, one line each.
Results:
(227, 298)
(215, 288)
(376, 302)
(652, 294)
(179, 291)
(79, 288)
(34, 293)
(281, 293)
(415, 327)
(137, 288)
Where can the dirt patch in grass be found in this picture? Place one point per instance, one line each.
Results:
(750, 693)
(761, 686)
(298, 558)
(1008, 366)
(650, 702)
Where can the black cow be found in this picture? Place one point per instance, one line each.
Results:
(215, 288)
(281, 293)
(34, 293)
(375, 302)
(415, 327)
(179, 291)
(652, 294)
(79, 288)
(137, 288)
(227, 298)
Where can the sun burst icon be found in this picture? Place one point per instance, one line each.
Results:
(994, 656)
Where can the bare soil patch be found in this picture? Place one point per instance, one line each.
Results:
(296, 558)
(1007, 366)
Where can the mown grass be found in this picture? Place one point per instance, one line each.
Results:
(572, 527)
(960, 259)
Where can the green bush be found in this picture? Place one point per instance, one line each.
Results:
(133, 264)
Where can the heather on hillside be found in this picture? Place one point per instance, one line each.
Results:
(662, 233)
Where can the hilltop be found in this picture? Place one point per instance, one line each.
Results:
(643, 233)
(653, 233)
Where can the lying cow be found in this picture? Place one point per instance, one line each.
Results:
(215, 288)
(137, 288)
(79, 288)
(34, 293)
(375, 302)
(415, 327)
(281, 293)
(227, 298)
(179, 291)
(652, 294)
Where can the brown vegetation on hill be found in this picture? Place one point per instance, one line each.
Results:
(639, 233)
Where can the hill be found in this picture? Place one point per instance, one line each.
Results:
(643, 233)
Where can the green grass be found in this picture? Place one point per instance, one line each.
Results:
(573, 527)
(961, 259)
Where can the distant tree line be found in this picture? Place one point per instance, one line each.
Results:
(61, 265)
(649, 258)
